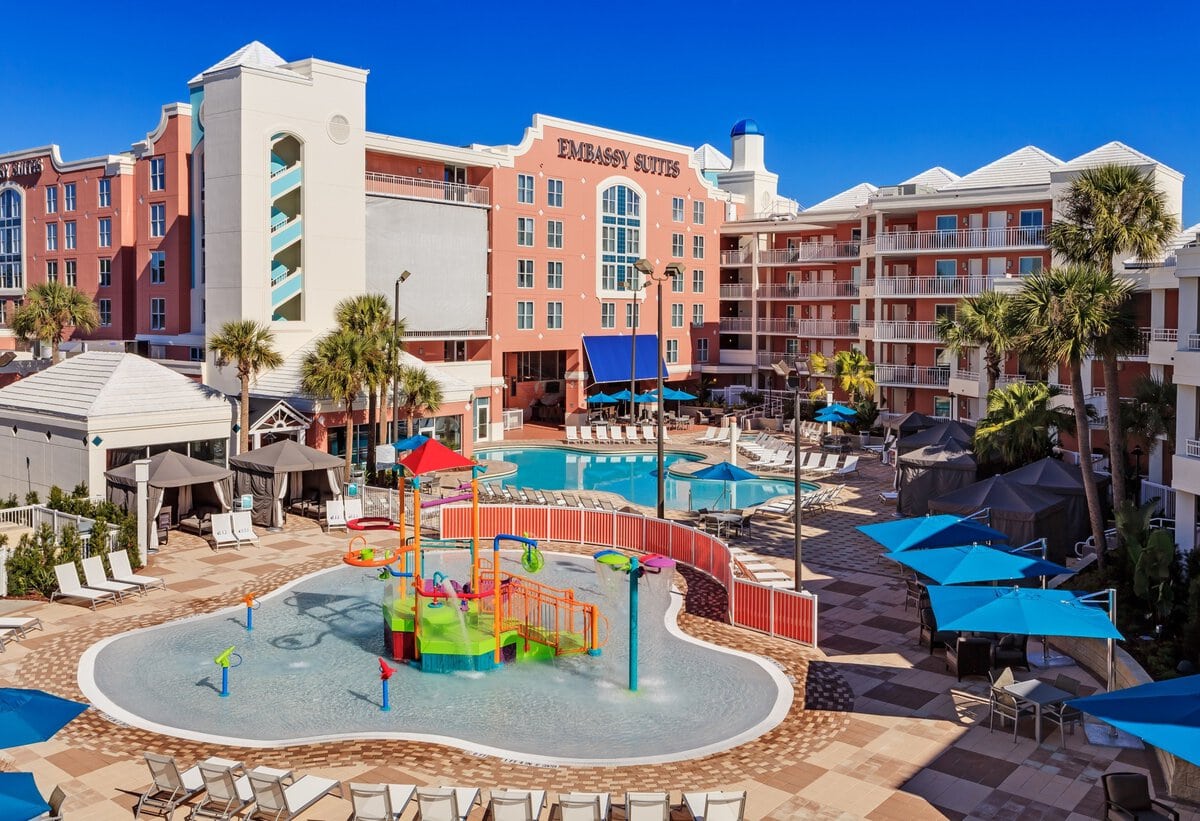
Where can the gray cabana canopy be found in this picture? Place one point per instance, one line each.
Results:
(1022, 512)
(1057, 478)
(939, 434)
(910, 423)
(185, 484)
(284, 472)
(931, 471)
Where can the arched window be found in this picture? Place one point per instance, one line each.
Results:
(11, 276)
(620, 236)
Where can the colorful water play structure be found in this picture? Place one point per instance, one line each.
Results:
(479, 622)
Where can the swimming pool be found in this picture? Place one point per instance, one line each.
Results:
(310, 673)
(631, 475)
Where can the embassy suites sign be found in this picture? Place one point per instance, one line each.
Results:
(616, 157)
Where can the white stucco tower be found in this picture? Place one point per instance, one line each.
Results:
(748, 175)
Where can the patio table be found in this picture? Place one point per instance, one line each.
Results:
(1039, 694)
(722, 520)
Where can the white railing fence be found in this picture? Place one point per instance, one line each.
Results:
(416, 188)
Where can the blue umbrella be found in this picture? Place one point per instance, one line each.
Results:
(724, 472)
(645, 398)
(839, 408)
(944, 530)
(976, 563)
(827, 415)
(677, 396)
(601, 399)
(30, 716)
(411, 442)
(1163, 713)
(1021, 610)
(622, 396)
(20, 798)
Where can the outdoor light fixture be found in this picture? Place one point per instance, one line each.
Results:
(395, 358)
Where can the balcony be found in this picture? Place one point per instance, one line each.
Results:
(838, 289)
(468, 333)
(736, 325)
(825, 328)
(284, 233)
(964, 239)
(740, 256)
(766, 359)
(1142, 349)
(965, 382)
(886, 331)
(1185, 473)
(809, 252)
(1162, 346)
(737, 291)
(787, 327)
(286, 288)
(413, 188)
(737, 356)
(931, 286)
(912, 375)
(285, 180)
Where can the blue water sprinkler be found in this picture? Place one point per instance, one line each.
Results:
(635, 569)
(251, 605)
(385, 673)
(226, 660)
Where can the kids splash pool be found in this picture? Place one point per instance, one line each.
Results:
(310, 672)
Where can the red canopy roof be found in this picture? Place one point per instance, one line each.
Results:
(432, 457)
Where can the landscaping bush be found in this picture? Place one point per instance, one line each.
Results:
(31, 566)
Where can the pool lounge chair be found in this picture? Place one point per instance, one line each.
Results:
(380, 802)
(780, 508)
(572, 500)
(709, 434)
(335, 515)
(572, 434)
(850, 466)
(352, 506)
(227, 792)
(446, 803)
(584, 806)
(243, 525)
(722, 437)
(585, 433)
(222, 530)
(118, 562)
(602, 435)
(516, 805)
(716, 806)
(21, 626)
(650, 434)
(278, 801)
(95, 578)
(647, 806)
(631, 435)
(70, 588)
(170, 788)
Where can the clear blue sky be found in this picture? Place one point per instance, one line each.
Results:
(844, 92)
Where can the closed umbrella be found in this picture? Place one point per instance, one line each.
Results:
(20, 798)
(1165, 714)
(724, 472)
(967, 564)
(931, 531)
(30, 716)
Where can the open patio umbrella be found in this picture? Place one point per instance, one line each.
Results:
(622, 396)
(724, 472)
(967, 564)
(930, 531)
(30, 716)
(1163, 713)
(839, 408)
(20, 798)
(676, 395)
(644, 398)
(601, 399)
(432, 457)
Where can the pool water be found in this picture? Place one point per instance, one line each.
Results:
(631, 475)
(310, 671)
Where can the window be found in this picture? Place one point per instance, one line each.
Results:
(1031, 227)
(554, 193)
(196, 354)
(454, 350)
(608, 277)
(620, 221)
(940, 311)
(677, 246)
(941, 406)
(72, 269)
(698, 212)
(1030, 266)
(677, 284)
(947, 222)
(676, 314)
(698, 281)
(52, 199)
(105, 277)
(554, 280)
(482, 418)
(554, 234)
(525, 188)
(524, 273)
(105, 232)
(158, 219)
(525, 232)
(701, 350)
(554, 315)
(104, 195)
(158, 173)
(52, 236)
(672, 351)
(69, 196)
(158, 314)
(608, 315)
(632, 315)
(69, 235)
(3, 313)
(52, 270)
(676, 209)
(698, 247)
(1031, 218)
(524, 316)
(698, 313)
(945, 267)
(105, 311)
(791, 347)
(158, 267)
(11, 272)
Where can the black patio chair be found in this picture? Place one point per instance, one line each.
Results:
(1127, 795)
(1010, 652)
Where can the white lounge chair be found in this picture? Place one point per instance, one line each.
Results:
(722, 437)
(222, 530)
(118, 562)
(516, 805)
(585, 433)
(282, 802)
(227, 792)
(70, 588)
(572, 434)
(446, 803)
(169, 787)
(353, 508)
(614, 433)
(780, 508)
(851, 466)
(243, 527)
(335, 515)
(380, 802)
(650, 434)
(709, 434)
(95, 578)
(631, 435)
(584, 806)
(647, 806)
(602, 435)
(716, 806)
(21, 626)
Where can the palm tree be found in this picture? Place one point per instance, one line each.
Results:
(336, 369)
(1064, 311)
(49, 309)
(1150, 414)
(983, 321)
(251, 346)
(1111, 210)
(419, 393)
(855, 374)
(1020, 426)
(370, 316)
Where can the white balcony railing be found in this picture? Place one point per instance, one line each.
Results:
(421, 189)
(1190, 343)
(765, 359)
(736, 325)
(835, 289)
(829, 327)
(785, 326)
(931, 286)
(963, 239)
(886, 331)
(737, 291)
(809, 252)
(911, 375)
(739, 256)
(1012, 379)
(1164, 335)
(1191, 447)
(1142, 349)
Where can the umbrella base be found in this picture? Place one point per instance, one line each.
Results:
(1106, 735)
(1047, 659)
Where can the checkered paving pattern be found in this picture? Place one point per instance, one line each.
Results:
(878, 729)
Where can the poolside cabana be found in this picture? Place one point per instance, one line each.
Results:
(1057, 478)
(939, 434)
(1024, 513)
(933, 471)
(284, 473)
(185, 485)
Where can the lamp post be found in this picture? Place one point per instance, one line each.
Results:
(395, 358)
(672, 271)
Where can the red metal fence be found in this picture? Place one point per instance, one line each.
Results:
(783, 613)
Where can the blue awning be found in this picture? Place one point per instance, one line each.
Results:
(608, 357)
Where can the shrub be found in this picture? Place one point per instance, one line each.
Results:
(31, 565)
(31, 498)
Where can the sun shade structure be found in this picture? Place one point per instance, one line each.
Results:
(970, 564)
(183, 484)
(282, 473)
(432, 457)
(1057, 478)
(20, 797)
(724, 472)
(932, 471)
(31, 716)
(1022, 610)
(910, 423)
(601, 399)
(939, 434)
(930, 531)
(609, 358)
(1025, 513)
(1163, 713)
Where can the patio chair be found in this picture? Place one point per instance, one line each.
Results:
(709, 434)
(446, 803)
(585, 433)
(647, 806)
(572, 435)
(850, 466)
(56, 801)
(780, 508)
(506, 494)
(70, 588)
(716, 806)
(95, 578)
(722, 437)
(243, 526)
(335, 515)
(969, 657)
(227, 792)
(1005, 705)
(526, 495)
(1127, 795)
(21, 626)
(354, 507)
(380, 802)
(1060, 713)
(602, 435)
(914, 593)
(283, 802)
(631, 435)
(584, 806)
(169, 787)
(650, 434)
(486, 492)
(1010, 652)
(571, 499)
(118, 562)
(222, 531)
(930, 635)
(516, 805)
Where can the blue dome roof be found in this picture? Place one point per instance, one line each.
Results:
(745, 127)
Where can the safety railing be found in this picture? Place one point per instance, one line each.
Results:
(821, 289)
(809, 252)
(886, 330)
(421, 189)
(911, 375)
(931, 286)
(961, 239)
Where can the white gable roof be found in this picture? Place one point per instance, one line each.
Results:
(284, 381)
(1113, 153)
(1026, 166)
(848, 199)
(99, 384)
(251, 54)
(710, 159)
(934, 177)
